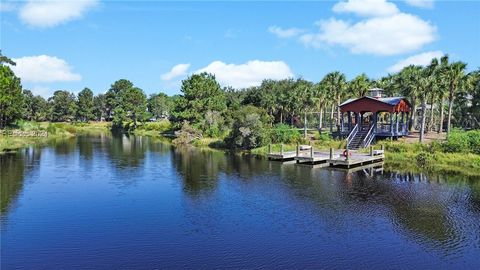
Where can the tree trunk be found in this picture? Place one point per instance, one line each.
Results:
(430, 122)
(451, 97)
(291, 118)
(281, 117)
(305, 125)
(338, 113)
(440, 128)
(320, 120)
(331, 118)
(422, 126)
(449, 116)
(413, 117)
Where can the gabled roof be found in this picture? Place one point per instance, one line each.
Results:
(392, 101)
(371, 104)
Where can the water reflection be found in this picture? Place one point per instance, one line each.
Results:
(438, 212)
(13, 168)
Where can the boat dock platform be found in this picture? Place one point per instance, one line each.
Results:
(341, 158)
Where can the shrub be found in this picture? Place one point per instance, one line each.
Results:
(284, 134)
(459, 141)
(248, 129)
(187, 134)
(160, 126)
(424, 159)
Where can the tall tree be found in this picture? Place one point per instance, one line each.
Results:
(99, 107)
(200, 93)
(159, 105)
(454, 75)
(112, 97)
(359, 86)
(11, 96)
(85, 105)
(335, 83)
(63, 106)
(133, 105)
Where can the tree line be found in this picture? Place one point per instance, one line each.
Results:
(451, 93)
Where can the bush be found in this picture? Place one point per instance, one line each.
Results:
(160, 126)
(248, 129)
(284, 134)
(459, 141)
(187, 134)
(425, 160)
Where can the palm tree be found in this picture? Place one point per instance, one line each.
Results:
(359, 85)
(336, 84)
(454, 75)
(319, 95)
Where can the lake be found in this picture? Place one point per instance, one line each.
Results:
(118, 202)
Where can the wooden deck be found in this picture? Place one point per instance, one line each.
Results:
(284, 156)
(334, 158)
(356, 159)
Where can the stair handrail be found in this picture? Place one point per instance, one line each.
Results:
(352, 135)
(369, 137)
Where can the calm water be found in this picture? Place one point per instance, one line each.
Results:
(136, 203)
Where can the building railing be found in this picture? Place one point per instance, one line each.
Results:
(369, 137)
(352, 135)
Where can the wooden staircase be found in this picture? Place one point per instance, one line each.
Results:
(360, 137)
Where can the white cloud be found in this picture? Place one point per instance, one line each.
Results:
(421, 59)
(44, 68)
(249, 74)
(400, 33)
(49, 13)
(285, 32)
(176, 71)
(420, 3)
(366, 7)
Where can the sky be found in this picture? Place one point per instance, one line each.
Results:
(69, 45)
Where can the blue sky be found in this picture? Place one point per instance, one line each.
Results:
(155, 44)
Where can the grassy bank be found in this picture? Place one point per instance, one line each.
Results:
(459, 154)
(55, 131)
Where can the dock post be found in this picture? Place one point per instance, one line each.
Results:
(331, 153)
(382, 147)
(347, 154)
(269, 148)
(311, 152)
(281, 149)
(371, 151)
(298, 150)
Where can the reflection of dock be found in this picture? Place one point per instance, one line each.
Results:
(339, 158)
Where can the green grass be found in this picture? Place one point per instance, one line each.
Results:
(55, 131)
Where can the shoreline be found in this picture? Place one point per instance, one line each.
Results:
(400, 156)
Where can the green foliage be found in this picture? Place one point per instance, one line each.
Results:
(132, 106)
(248, 129)
(63, 106)
(202, 95)
(99, 107)
(159, 126)
(160, 105)
(11, 96)
(425, 160)
(462, 142)
(285, 134)
(85, 105)
(187, 134)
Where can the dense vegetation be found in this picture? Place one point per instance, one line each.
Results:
(253, 117)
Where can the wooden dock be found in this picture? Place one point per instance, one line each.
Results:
(338, 158)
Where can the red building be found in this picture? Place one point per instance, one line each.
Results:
(366, 118)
